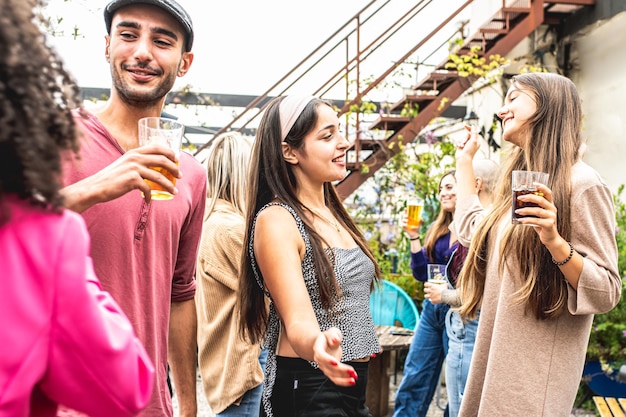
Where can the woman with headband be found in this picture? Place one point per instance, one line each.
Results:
(306, 255)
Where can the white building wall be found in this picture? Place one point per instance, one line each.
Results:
(600, 77)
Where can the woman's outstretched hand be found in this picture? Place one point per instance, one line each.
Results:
(327, 354)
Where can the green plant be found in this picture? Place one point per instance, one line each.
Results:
(413, 287)
(415, 169)
(474, 64)
(607, 341)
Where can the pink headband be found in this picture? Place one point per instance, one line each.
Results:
(289, 111)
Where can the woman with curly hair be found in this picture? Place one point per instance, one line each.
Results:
(537, 284)
(63, 339)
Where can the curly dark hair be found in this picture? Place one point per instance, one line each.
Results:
(36, 99)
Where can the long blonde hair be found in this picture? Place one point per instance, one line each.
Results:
(554, 142)
(227, 171)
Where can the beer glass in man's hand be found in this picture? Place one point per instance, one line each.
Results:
(166, 132)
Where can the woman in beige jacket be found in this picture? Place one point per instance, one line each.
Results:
(537, 287)
(231, 369)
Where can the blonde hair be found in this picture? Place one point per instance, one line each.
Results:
(486, 170)
(227, 171)
(554, 141)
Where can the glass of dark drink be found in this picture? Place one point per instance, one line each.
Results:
(523, 182)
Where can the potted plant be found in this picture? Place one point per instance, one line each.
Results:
(606, 352)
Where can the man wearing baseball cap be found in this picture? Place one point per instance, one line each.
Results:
(144, 251)
(169, 6)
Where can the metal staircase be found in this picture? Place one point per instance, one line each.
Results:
(364, 39)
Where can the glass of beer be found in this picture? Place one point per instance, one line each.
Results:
(437, 274)
(166, 132)
(522, 183)
(415, 205)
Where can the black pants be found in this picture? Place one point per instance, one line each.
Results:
(302, 391)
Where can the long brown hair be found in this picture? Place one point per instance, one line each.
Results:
(440, 226)
(271, 178)
(554, 142)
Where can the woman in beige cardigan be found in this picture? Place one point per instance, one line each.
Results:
(537, 287)
(231, 369)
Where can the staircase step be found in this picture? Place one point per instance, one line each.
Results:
(391, 122)
(436, 80)
(516, 10)
(353, 166)
(573, 2)
(494, 30)
(368, 144)
(412, 99)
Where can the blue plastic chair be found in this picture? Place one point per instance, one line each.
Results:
(391, 306)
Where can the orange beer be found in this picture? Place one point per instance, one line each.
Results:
(414, 212)
(165, 132)
(156, 190)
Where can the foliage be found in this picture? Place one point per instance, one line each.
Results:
(417, 168)
(533, 67)
(476, 66)
(52, 17)
(410, 285)
(607, 342)
(409, 110)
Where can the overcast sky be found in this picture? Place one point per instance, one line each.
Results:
(240, 47)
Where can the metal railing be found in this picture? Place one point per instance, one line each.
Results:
(372, 35)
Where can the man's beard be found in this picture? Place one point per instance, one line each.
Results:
(141, 98)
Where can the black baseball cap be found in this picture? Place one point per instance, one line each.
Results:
(170, 6)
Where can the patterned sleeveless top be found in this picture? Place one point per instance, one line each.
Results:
(355, 273)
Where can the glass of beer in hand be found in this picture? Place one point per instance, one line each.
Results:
(437, 274)
(415, 205)
(522, 183)
(166, 132)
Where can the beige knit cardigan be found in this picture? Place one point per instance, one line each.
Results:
(229, 366)
(522, 366)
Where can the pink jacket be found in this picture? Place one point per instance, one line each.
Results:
(62, 339)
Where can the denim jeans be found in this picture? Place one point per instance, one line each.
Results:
(461, 338)
(250, 405)
(422, 367)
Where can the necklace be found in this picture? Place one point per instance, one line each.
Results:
(326, 219)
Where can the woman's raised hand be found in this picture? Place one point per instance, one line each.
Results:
(466, 147)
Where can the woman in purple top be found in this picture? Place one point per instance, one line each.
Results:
(430, 343)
